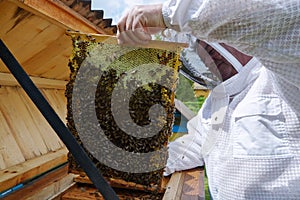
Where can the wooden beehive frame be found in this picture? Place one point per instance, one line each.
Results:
(156, 44)
(94, 39)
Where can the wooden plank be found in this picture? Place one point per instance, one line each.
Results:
(2, 162)
(193, 187)
(172, 46)
(7, 21)
(186, 185)
(119, 183)
(59, 65)
(87, 192)
(58, 102)
(56, 54)
(27, 29)
(10, 152)
(64, 185)
(58, 13)
(82, 193)
(47, 36)
(174, 187)
(11, 109)
(7, 79)
(50, 138)
(19, 173)
(45, 187)
(29, 124)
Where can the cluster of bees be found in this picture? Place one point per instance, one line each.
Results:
(140, 102)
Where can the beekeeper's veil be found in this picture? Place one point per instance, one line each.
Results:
(196, 70)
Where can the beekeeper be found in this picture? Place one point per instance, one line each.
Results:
(247, 132)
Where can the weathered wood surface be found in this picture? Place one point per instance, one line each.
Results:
(25, 134)
(39, 44)
(186, 185)
(119, 183)
(46, 186)
(156, 44)
(19, 173)
(59, 14)
(7, 79)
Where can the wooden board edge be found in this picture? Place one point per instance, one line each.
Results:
(7, 79)
(171, 46)
(119, 183)
(186, 185)
(58, 13)
(38, 186)
(174, 187)
(17, 174)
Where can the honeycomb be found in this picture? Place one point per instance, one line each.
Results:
(131, 96)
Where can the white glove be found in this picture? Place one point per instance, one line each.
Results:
(185, 152)
(137, 25)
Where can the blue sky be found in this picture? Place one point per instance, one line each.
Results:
(115, 8)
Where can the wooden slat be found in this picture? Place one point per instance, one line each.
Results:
(64, 185)
(55, 190)
(193, 187)
(87, 192)
(43, 129)
(51, 61)
(82, 193)
(57, 101)
(45, 187)
(118, 183)
(7, 79)
(2, 162)
(29, 122)
(12, 109)
(24, 32)
(59, 65)
(172, 46)
(58, 13)
(7, 20)
(174, 187)
(10, 152)
(19, 173)
(47, 36)
(25, 28)
(186, 185)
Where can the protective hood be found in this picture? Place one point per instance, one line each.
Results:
(194, 68)
(228, 56)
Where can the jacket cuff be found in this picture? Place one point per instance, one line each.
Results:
(166, 12)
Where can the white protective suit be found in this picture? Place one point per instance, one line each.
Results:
(248, 130)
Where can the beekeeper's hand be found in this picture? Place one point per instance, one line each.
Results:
(137, 25)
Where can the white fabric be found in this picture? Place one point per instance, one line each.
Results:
(184, 152)
(268, 30)
(228, 56)
(255, 152)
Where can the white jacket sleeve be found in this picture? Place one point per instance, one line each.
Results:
(268, 30)
(185, 152)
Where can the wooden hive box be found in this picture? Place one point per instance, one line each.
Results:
(34, 31)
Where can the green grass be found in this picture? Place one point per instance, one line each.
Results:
(207, 197)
